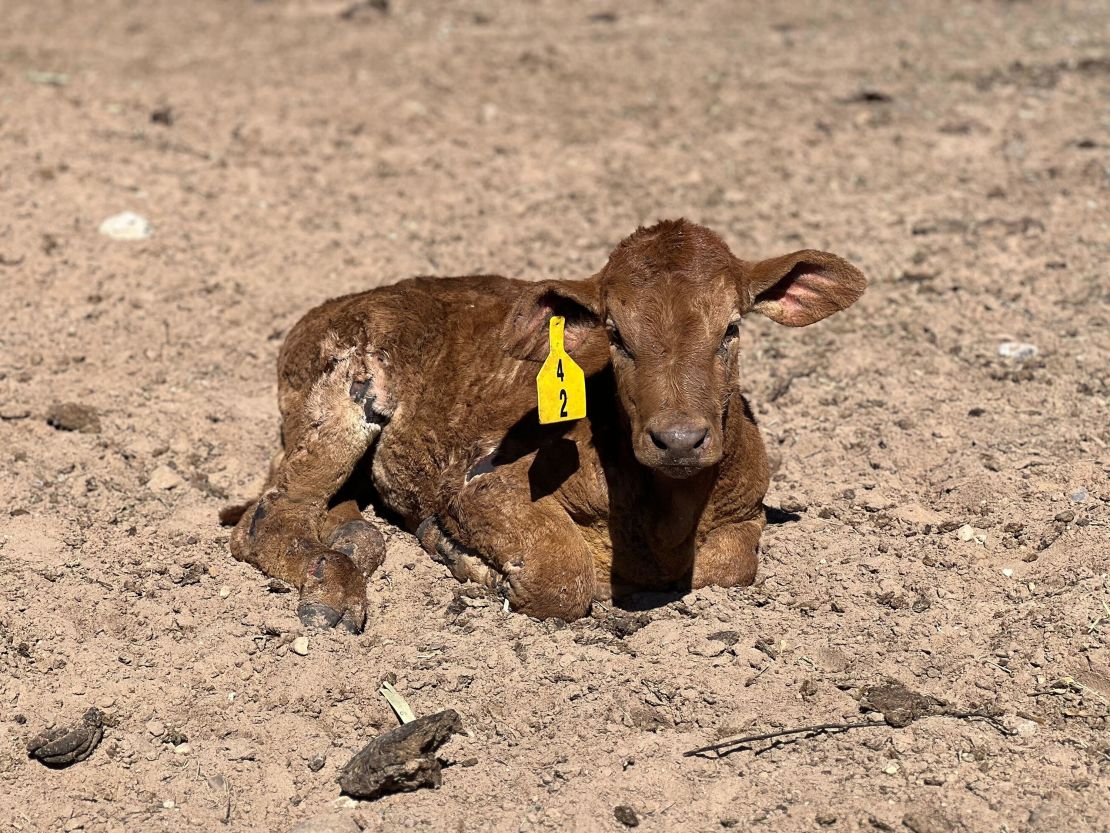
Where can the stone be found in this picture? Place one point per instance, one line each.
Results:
(126, 226)
(300, 646)
(163, 479)
(1017, 350)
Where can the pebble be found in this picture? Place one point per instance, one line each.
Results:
(163, 479)
(182, 749)
(966, 532)
(169, 804)
(225, 591)
(1017, 350)
(1078, 496)
(300, 646)
(891, 768)
(626, 815)
(126, 226)
(1008, 572)
(156, 728)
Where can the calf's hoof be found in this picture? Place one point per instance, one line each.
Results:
(362, 543)
(333, 594)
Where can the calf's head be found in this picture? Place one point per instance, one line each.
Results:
(665, 312)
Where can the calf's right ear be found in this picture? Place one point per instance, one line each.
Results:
(525, 332)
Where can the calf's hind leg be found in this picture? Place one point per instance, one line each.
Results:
(289, 533)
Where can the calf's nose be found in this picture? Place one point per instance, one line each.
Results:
(680, 439)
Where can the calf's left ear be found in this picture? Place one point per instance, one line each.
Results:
(802, 287)
(525, 332)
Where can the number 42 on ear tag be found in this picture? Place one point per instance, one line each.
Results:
(560, 384)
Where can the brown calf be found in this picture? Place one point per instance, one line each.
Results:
(428, 387)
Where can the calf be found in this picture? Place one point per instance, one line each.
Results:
(426, 390)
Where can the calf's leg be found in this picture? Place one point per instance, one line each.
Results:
(729, 555)
(530, 550)
(289, 533)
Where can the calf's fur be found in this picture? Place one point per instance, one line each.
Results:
(426, 389)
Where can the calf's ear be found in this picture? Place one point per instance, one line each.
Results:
(525, 332)
(802, 287)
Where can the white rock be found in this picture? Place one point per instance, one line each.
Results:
(225, 591)
(1017, 350)
(300, 646)
(965, 532)
(126, 226)
(1006, 571)
(182, 749)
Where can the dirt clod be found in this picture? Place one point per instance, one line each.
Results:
(626, 815)
(402, 759)
(898, 705)
(71, 416)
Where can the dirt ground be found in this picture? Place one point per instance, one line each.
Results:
(941, 509)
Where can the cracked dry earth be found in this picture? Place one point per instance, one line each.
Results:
(941, 509)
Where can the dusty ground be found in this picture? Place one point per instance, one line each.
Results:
(285, 152)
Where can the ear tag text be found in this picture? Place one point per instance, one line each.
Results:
(560, 384)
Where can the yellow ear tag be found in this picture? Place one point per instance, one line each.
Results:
(560, 384)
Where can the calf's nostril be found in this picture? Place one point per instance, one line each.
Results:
(659, 441)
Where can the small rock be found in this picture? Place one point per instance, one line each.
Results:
(69, 416)
(156, 728)
(1006, 571)
(825, 819)
(317, 763)
(126, 226)
(169, 804)
(1065, 517)
(300, 646)
(793, 505)
(182, 749)
(1078, 496)
(327, 824)
(163, 479)
(1017, 350)
(225, 591)
(626, 815)
(891, 768)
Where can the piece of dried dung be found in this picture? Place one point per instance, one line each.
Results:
(402, 759)
(65, 745)
(897, 704)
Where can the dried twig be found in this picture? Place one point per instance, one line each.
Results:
(823, 728)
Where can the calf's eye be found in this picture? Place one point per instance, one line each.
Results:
(616, 340)
(731, 332)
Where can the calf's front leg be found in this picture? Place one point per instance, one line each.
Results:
(496, 534)
(729, 555)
